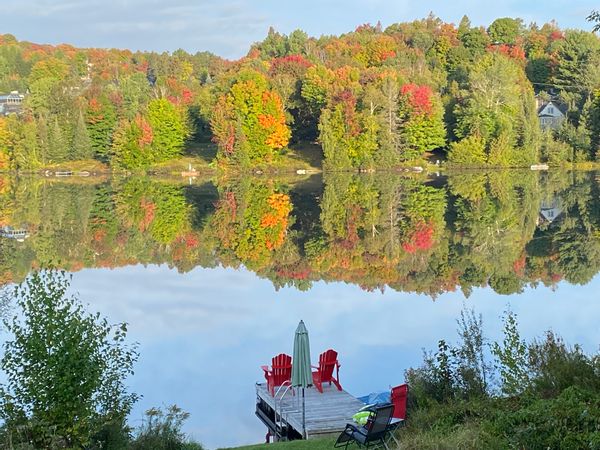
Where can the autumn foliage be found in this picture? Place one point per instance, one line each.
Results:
(421, 238)
(418, 97)
(248, 122)
(276, 220)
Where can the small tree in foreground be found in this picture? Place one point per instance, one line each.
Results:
(65, 368)
(162, 431)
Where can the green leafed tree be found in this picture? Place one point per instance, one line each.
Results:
(499, 107)
(422, 121)
(169, 129)
(65, 368)
(505, 30)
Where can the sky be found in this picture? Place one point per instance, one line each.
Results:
(228, 28)
(204, 334)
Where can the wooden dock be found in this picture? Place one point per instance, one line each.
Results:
(326, 413)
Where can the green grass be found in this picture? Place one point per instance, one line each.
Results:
(313, 444)
(89, 165)
(202, 157)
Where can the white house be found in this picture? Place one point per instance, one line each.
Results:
(551, 115)
(11, 103)
(550, 209)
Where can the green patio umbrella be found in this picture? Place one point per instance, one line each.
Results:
(301, 371)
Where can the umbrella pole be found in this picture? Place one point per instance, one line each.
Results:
(303, 416)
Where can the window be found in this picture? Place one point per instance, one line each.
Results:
(550, 109)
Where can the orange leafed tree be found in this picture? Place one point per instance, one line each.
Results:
(248, 122)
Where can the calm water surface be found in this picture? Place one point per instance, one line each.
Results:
(213, 276)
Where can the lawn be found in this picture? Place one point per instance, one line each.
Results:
(313, 444)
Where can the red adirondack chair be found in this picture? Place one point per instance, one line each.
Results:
(324, 374)
(280, 372)
(398, 398)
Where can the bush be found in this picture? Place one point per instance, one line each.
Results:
(555, 152)
(555, 366)
(65, 368)
(162, 431)
(569, 421)
(469, 151)
(550, 394)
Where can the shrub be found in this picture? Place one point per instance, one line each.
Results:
(555, 152)
(162, 431)
(65, 368)
(550, 394)
(555, 366)
(468, 151)
(569, 421)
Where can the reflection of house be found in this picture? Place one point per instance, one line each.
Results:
(550, 113)
(550, 210)
(13, 233)
(11, 103)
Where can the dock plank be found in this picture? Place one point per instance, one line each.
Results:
(326, 412)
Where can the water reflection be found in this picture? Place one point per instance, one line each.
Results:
(205, 334)
(425, 235)
(213, 276)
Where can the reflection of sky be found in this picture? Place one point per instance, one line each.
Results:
(203, 335)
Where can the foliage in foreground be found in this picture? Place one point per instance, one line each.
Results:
(66, 370)
(542, 394)
(162, 431)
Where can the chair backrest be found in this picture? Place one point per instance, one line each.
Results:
(281, 368)
(379, 421)
(327, 362)
(398, 398)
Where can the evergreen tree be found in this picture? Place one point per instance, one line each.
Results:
(82, 144)
(58, 150)
(101, 120)
(464, 26)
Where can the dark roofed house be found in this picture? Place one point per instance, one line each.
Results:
(551, 114)
(11, 103)
(550, 210)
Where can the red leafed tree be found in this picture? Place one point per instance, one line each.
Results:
(421, 238)
(146, 131)
(295, 65)
(419, 97)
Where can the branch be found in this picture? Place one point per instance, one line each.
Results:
(594, 17)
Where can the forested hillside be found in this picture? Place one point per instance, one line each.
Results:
(373, 98)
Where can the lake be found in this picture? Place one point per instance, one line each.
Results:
(214, 275)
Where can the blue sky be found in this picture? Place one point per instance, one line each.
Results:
(229, 27)
(204, 334)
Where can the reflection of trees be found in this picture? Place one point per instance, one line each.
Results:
(574, 240)
(477, 229)
(494, 217)
(250, 223)
(158, 208)
(376, 230)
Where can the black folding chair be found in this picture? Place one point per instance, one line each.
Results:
(373, 434)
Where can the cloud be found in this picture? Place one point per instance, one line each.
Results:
(229, 28)
(204, 334)
(138, 24)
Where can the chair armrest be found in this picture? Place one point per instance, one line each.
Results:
(354, 429)
(266, 369)
(314, 367)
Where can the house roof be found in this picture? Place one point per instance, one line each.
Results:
(560, 107)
